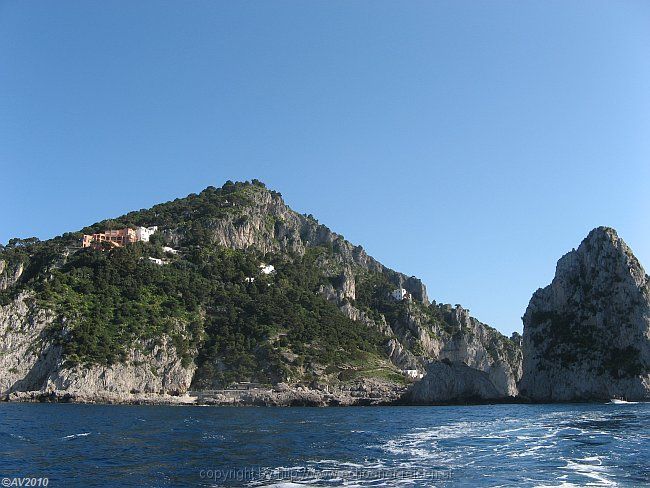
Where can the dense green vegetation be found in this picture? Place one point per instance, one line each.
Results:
(373, 297)
(109, 301)
(252, 324)
(193, 214)
(212, 303)
(569, 339)
(264, 329)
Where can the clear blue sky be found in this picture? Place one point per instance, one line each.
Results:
(468, 143)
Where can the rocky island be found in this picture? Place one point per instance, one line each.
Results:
(587, 334)
(232, 289)
(229, 297)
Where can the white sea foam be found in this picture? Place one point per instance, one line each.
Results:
(591, 467)
(74, 436)
(289, 484)
(16, 436)
(502, 450)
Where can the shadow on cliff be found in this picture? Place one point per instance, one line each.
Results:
(47, 362)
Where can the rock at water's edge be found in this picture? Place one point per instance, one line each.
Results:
(587, 334)
(452, 382)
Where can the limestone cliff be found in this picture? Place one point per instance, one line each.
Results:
(448, 381)
(265, 223)
(587, 334)
(421, 334)
(483, 348)
(9, 274)
(27, 352)
(60, 306)
(31, 360)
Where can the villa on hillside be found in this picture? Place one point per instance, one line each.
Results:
(118, 238)
(400, 294)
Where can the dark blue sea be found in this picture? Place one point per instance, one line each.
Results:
(495, 445)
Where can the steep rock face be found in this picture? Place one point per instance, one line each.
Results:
(402, 357)
(31, 360)
(462, 339)
(587, 334)
(483, 348)
(448, 381)
(468, 341)
(27, 355)
(9, 274)
(263, 223)
(268, 225)
(156, 369)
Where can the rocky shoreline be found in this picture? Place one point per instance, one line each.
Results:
(372, 323)
(363, 334)
(40, 396)
(364, 393)
(265, 398)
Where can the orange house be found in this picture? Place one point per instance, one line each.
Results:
(114, 238)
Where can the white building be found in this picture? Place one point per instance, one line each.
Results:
(144, 233)
(157, 261)
(170, 250)
(267, 268)
(399, 294)
(412, 373)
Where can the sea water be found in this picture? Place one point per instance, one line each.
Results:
(487, 445)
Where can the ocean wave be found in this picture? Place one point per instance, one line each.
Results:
(74, 436)
(591, 468)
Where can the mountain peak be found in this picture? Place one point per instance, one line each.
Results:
(585, 334)
(232, 286)
(603, 232)
(601, 237)
(605, 252)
